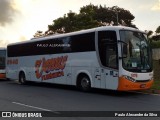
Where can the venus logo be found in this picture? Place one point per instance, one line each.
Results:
(50, 68)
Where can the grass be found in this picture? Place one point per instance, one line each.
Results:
(156, 85)
(156, 68)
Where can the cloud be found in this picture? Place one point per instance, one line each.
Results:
(7, 11)
(3, 43)
(22, 38)
(156, 7)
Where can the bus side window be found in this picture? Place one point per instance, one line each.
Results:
(83, 42)
(66, 44)
(107, 44)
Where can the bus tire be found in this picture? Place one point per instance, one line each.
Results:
(84, 83)
(22, 78)
(7, 79)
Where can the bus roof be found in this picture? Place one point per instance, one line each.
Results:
(78, 32)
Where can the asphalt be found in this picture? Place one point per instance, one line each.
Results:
(59, 99)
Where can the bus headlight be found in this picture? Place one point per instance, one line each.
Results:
(129, 78)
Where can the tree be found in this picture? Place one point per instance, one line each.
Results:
(39, 33)
(158, 30)
(91, 16)
(72, 22)
(149, 33)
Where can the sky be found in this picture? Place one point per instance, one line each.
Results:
(20, 19)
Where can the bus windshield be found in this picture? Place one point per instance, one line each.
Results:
(2, 59)
(138, 52)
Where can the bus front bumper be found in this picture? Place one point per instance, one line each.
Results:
(126, 85)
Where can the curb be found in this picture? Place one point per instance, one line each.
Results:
(152, 91)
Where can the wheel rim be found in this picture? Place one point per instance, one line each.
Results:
(85, 83)
(22, 79)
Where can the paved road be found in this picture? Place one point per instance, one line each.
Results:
(47, 97)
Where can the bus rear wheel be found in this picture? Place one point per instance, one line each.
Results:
(22, 78)
(84, 83)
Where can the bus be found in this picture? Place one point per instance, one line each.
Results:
(109, 57)
(2, 63)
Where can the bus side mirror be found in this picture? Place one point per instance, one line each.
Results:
(124, 50)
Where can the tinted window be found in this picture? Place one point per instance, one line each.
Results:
(76, 43)
(84, 42)
(107, 44)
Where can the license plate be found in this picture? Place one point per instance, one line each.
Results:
(142, 85)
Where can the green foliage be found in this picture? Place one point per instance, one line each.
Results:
(91, 16)
(155, 44)
(149, 33)
(158, 29)
(156, 85)
(156, 69)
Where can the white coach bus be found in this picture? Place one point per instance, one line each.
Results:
(111, 57)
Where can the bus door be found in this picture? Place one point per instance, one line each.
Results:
(105, 78)
(108, 54)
